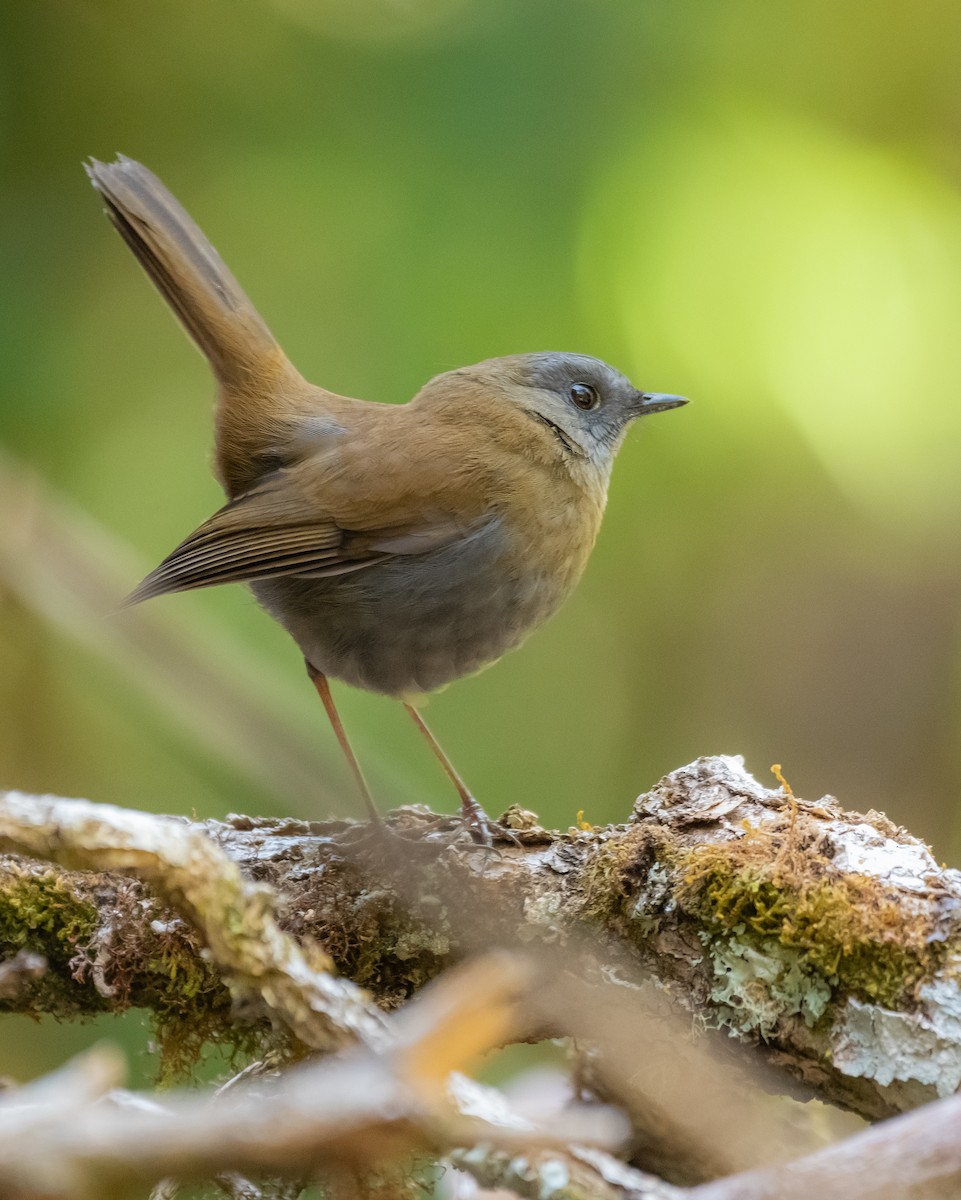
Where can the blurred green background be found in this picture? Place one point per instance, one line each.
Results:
(754, 204)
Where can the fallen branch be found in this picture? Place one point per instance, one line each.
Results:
(233, 915)
(355, 1111)
(828, 940)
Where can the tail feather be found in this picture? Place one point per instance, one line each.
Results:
(188, 272)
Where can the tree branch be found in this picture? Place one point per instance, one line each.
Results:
(350, 1112)
(233, 915)
(829, 940)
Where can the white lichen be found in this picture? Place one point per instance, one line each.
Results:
(756, 986)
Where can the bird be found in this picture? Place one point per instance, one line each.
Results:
(402, 546)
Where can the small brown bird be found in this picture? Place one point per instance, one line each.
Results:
(401, 546)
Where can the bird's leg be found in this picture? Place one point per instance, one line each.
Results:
(319, 680)
(474, 815)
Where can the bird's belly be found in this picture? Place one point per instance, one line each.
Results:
(415, 623)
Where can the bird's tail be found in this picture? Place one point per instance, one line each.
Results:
(190, 275)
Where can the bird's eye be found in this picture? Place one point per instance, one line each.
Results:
(584, 396)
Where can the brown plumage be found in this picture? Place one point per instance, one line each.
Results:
(402, 546)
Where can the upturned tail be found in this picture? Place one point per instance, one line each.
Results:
(258, 384)
(187, 270)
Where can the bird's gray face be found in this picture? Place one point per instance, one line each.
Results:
(587, 403)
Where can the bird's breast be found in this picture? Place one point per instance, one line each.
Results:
(416, 622)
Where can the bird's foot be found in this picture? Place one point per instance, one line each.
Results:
(419, 831)
(481, 827)
(394, 841)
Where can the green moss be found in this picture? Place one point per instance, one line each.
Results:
(40, 911)
(828, 930)
(184, 1035)
(190, 1008)
(785, 933)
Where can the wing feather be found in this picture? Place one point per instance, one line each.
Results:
(255, 537)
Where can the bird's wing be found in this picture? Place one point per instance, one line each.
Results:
(274, 530)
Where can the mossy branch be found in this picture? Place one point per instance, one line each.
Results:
(232, 915)
(830, 941)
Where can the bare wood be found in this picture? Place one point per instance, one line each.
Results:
(579, 1173)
